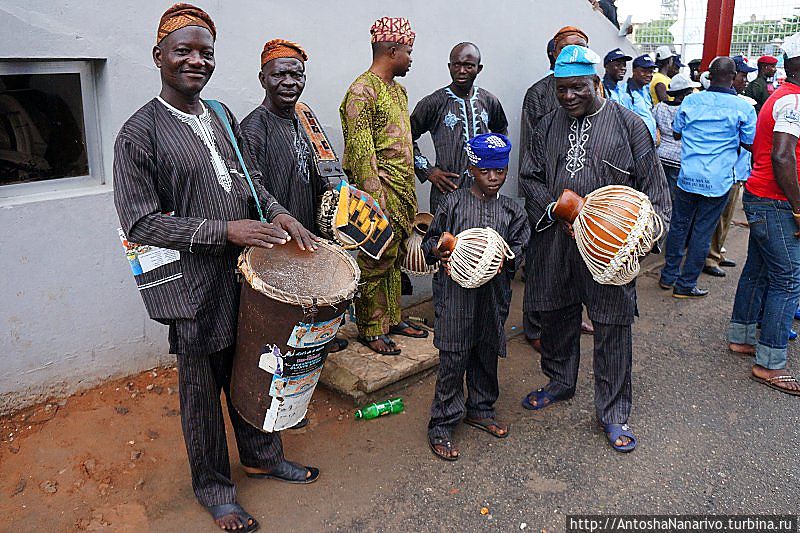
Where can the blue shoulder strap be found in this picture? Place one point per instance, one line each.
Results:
(223, 117)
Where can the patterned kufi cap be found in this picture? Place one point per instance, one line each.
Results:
(392, 30)
(182, 15)
(489, 150)
(565, 32)
(281, 48)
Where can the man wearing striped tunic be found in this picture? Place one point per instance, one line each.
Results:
(178, 184)
(453, 115)
(585, 144)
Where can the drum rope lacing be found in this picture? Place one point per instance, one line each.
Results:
(643, 230)
(478, 255)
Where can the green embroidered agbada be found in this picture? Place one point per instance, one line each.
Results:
(379, 159)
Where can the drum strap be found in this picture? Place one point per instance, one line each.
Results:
(328, 165)
(223, 117)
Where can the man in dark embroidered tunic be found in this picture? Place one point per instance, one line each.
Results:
(278, 143)
(453, 115)
(587, 143)
(178, 184)
(540, 99)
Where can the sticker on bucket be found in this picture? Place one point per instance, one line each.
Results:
(271, 360)
(292, 386)
(314, 334)
(290, 399)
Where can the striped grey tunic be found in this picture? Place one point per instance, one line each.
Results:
(466, 317)
(166, 161)
(452, 121)
(540, 99)
(280, 150)
(611, 147)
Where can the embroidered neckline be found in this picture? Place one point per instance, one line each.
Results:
(473, 100)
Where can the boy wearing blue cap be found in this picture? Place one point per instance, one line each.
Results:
(469, 324)
(588, 142)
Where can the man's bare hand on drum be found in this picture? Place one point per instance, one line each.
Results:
(444, 257)
(304, 238)
(442, 181)
(255, 233)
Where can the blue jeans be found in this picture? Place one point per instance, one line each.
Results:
(697, 213)
(770, 279)
(672, 174)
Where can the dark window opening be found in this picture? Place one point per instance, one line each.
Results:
(42, 130)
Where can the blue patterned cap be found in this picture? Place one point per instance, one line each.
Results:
(489, 150)
(574, 61)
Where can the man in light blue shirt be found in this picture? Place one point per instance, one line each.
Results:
(711, 125)
(636, 93)
(616, 65)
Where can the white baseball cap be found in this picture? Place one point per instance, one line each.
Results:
(680, 82)
(664, 52)
(791, 46)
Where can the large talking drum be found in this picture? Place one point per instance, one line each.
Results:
(476, 255)
(614, 226)
(414, 261)
(292, 304)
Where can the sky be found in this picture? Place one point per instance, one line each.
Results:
(644, 10)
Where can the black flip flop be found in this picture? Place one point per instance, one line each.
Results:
(290, 472)
(398, 329)
(433, 442)
(485, 424)
(386, 340)
(245, 518)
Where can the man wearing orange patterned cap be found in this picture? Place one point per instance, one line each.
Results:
(179, 185)
(279, 144)
(379, 159)
(539, 101)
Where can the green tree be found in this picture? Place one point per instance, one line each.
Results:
(655, 31)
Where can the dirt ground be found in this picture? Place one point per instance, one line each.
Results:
(711, 441)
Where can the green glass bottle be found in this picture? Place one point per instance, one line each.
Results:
(388, 407)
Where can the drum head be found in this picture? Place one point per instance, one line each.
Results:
(287, 273)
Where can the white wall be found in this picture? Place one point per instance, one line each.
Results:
(70, 314)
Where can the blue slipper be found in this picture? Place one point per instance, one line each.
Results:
(539, 395)
(615, 431)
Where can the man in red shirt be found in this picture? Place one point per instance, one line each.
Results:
(771, 276)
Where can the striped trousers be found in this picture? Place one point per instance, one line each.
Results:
(448, 408)
(613, 356)
(200, 381)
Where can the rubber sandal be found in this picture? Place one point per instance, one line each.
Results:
(539, 395)
(337, 345)
(615, 431)
(367, 340)
(433, 442)
(399, 329)
(245, 518)
(485, 424)
(290, 472)
(773, 383)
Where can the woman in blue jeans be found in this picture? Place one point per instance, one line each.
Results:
(770, 279)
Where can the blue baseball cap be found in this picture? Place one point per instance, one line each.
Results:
(644, 61)
(574, 61)
(614, 55)
(741, 64)
(489, 150)
(677, 60)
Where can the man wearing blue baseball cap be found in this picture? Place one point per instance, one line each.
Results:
(616, 66)
(636, 95)
(588, 142)
(742, 70)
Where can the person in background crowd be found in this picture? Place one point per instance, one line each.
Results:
(551, 55)
(178, 184)
(759, 88)
(667, 65)
(616, 66)
(452, 115)
(669, 149)
(469, 330)
(742, 70)
(712, 125)
(636, 95)
(540, 99)
(585, 144)
(379, 159)
(770, 278)
(694, 70)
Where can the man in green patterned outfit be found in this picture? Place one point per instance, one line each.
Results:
(379, 159)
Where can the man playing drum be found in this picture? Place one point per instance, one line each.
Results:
(276, 140)
(378, 158)
(178, 184)
(587, 143)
